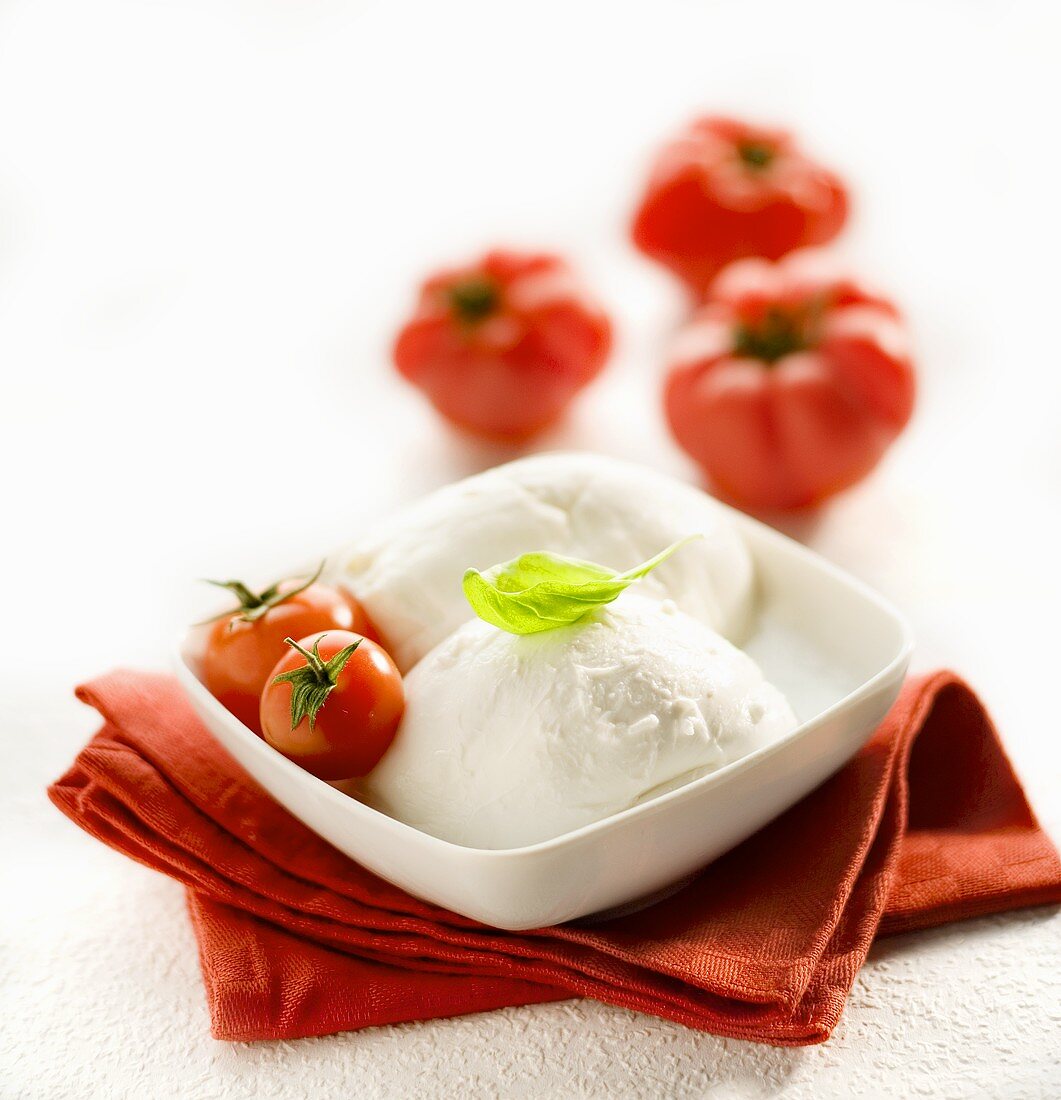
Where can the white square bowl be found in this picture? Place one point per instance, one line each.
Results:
(835, 648)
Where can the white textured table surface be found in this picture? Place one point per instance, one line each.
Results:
(211, 215)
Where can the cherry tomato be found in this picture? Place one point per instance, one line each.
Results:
(501, 346)
(333, 704)
(242, 647)
(723, 190)
(789, 383)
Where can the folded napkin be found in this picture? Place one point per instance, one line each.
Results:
(927, 824)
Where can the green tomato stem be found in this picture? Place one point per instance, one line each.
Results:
(253, 606)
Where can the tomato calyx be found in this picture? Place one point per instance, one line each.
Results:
(313, 682)
(474, 299)
(254, 605)
(756, 155)
(779, 332)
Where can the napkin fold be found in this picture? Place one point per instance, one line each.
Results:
(927, 824)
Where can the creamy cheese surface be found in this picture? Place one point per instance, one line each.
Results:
(407, 573)
(509, 740)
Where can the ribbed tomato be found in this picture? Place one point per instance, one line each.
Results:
(789, 383)
(501, 346)
(723, 190)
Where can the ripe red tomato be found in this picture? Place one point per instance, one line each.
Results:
(243, 646)
(789, 383)
(333, 704)
(501, 346)
(723, 190)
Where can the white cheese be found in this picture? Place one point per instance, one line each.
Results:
(407, 573)
(511, 740)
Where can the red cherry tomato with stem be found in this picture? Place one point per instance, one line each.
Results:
(245, 644)
(333, 704)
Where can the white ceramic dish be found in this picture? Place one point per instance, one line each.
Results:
(837, 650)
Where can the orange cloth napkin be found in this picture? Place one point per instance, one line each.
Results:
(927, 824)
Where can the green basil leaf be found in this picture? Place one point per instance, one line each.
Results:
(539, 567)
(541, 591)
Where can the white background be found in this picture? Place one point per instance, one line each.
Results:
(212, 215)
